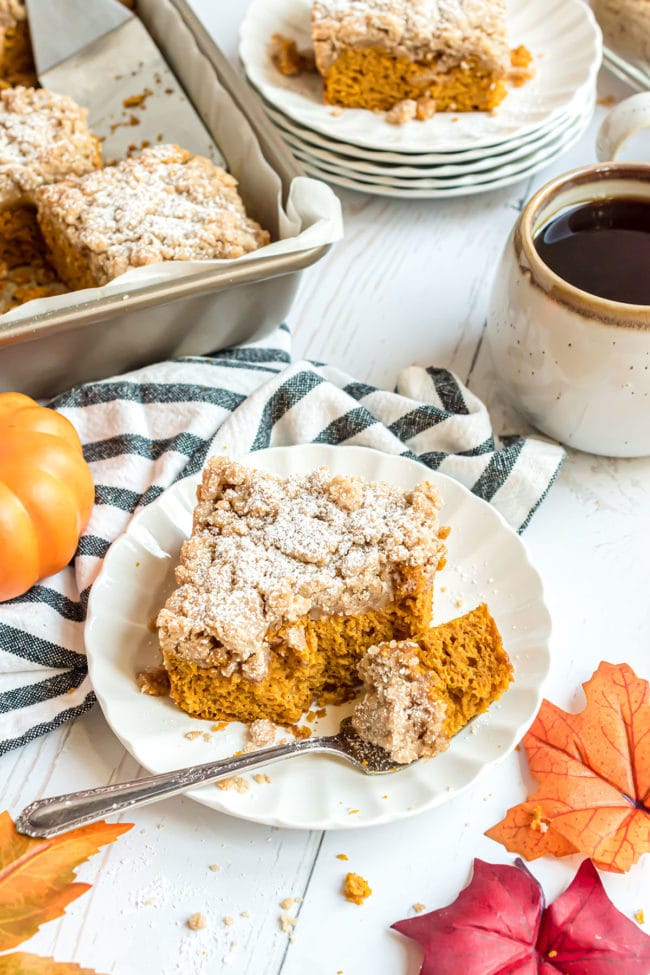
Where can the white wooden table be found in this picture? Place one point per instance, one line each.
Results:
(409, 283)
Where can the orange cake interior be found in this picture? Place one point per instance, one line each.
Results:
(376, 54)
(286, 582)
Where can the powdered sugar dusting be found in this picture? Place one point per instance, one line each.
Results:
(163, 205)
(267, 551)
(417, 29)
(43, 137)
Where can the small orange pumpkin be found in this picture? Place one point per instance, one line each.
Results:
(46, 493)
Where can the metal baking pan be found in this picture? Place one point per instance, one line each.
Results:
(191, 315)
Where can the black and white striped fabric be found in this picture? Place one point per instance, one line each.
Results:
(145, 430)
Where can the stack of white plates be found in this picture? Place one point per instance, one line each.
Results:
(450, 154)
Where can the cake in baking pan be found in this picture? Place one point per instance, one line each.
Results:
(162, 205)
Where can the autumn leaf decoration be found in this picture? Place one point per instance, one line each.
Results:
(498, 925)
(593, 775)
(37, 883)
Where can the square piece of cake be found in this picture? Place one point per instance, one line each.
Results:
(418, 694)
(375, 54)
(163, 205)
(286, 582)
(44, 137)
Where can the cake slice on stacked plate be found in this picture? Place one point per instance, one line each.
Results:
(468, 124)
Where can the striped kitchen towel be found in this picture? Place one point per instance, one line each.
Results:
(144, 430)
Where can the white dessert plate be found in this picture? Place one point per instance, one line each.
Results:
(431, 189)
(487, 561)
(445, 176)
(364, 160)
(583, 95)
(562, 35)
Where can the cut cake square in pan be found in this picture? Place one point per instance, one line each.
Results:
(286, 582)
(163, 205)
(377, 53)
(44, 137)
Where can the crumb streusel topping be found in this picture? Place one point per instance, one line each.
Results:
(266, 551)
(43, 137)
(416, 29)
(163, 205)
(397, 710)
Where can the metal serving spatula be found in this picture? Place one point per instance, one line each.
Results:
(102, 55)
(49, 817)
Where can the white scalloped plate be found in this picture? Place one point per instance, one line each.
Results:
(462, 156)
(523, 165)
(410, 189)
(487, 561)
(418, 166)
(562, 35)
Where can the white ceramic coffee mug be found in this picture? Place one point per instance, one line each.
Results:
(575, 364)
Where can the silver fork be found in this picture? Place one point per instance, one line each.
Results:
(49, 817)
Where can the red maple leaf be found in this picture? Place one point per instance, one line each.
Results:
(498, 925)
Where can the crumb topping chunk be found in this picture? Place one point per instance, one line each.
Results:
(416, 29)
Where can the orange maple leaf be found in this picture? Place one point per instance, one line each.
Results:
(22, 963)
(593, 771)
(37, 877)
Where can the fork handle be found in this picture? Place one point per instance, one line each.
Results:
(49, 817)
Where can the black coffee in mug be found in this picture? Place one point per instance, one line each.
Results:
(602, 247)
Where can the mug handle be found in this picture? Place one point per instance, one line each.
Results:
(623, 121)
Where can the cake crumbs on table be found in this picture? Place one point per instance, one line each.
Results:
(639, 916)
(192, 735)
(235, 782)
(197, 921)
(219, 726)
(214, 867)
(228, 920)
(342, 856)
(418, 907)
(287, 924)
(262, 778)
(356, 888)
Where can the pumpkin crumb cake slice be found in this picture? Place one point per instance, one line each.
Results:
(285, 583)
(377, 54)
(418, 694)
(162, 205)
